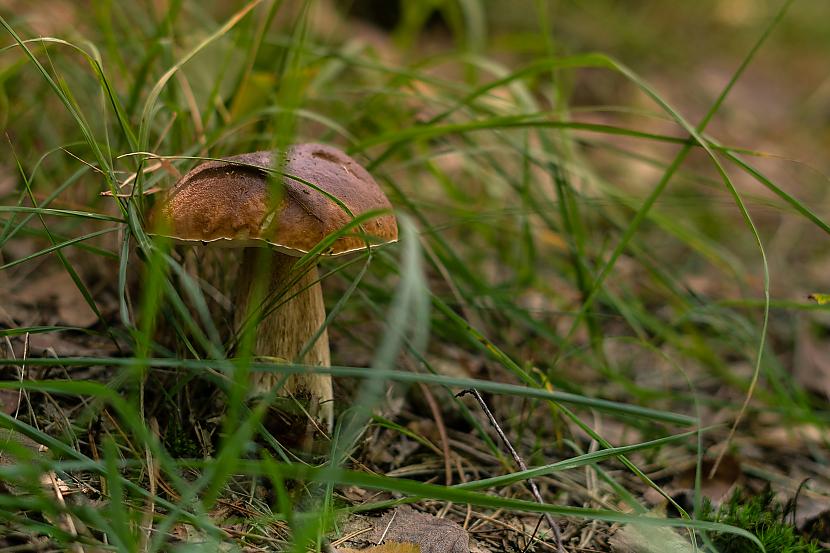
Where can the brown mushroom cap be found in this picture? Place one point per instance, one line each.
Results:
(228, 203)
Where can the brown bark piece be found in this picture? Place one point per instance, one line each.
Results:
(432, 534)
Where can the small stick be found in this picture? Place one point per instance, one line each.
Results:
(442, 432)
(152, 474)
(534, 489)
(388, 526)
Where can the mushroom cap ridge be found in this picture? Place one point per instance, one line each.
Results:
(227, 204)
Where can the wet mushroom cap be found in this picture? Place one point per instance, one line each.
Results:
(229, 203)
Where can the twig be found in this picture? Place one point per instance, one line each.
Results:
(533, 535)
(347, 537)
(534, 489)
(442, 432)
(51, 480)
(153, 474)
(388, 526)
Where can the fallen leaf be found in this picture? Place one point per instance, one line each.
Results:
(432, 534)
(648, 538)
(405, 525)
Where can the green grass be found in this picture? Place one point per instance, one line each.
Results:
(554, 278)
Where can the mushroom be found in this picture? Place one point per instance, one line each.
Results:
(230, 203)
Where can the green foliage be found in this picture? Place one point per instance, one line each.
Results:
(762, 516)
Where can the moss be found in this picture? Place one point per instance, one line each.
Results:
(180, 440)
(762, 516)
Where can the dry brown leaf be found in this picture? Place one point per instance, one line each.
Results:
(432, 534)
(642, 538)
(404, 525)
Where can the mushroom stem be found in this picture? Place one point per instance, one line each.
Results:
(287, 328)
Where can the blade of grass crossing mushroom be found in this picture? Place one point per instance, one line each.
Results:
(341, 303)
(409, 313)
(289, 94)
